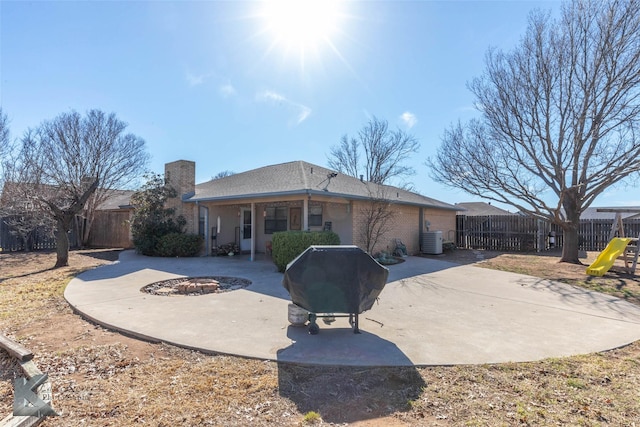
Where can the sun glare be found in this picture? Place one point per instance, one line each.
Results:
(302, 25)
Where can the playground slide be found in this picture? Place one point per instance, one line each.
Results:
(605, 260)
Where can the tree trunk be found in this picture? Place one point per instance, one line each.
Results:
(570, 247)
(86, 230)
(571, 227)
(62, 243)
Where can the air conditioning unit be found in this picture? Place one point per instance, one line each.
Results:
(432, 242)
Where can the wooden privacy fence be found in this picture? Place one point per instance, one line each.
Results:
(501, 233)
(524, 233)
(110, 229)
(40, 238)
(594, 234)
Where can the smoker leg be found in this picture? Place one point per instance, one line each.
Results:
(313, 326)
(353, 320)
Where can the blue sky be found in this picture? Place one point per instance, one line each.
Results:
(222, 83)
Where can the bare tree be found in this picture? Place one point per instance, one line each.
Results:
(23, 215)
(6, 147)
(378, 215)
(5, 143)
(559, 116)
(378, 153)
(223, 174)
(70, 164)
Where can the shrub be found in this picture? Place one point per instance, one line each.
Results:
(151, 220)
(179, 245)
(287, 245)
(147, 236)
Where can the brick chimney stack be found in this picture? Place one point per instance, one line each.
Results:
(181, 175)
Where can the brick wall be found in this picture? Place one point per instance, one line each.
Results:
(404, 225)
(181, 175)
(442, 220)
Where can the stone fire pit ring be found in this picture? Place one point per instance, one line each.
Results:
(195, 286)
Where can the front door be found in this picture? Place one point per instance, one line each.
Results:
(245, 230)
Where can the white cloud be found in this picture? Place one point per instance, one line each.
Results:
(194, 80)
(409, 119)
(269, 95)
(227, 90)
(304, 113)
(301, 111)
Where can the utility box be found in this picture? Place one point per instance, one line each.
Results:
(432, 242)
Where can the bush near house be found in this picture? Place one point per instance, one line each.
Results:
(155, 229)
(179, 245)
(287, 245)
(147, 232)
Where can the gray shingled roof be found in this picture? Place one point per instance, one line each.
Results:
(481, 209)
(119, 199)
(592, 213)
(302, 178)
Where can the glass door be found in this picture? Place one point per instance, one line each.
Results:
(245, 230)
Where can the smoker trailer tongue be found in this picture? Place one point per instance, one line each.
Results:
(326, 280)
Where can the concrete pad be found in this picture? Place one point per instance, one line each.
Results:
(430, 313)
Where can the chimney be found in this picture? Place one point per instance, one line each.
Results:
(181, 176)
(362, 178)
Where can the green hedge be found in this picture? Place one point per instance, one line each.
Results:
(179, 245)
(287, 245)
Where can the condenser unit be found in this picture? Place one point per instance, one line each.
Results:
(432, 242)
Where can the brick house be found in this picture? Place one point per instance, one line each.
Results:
(248, 207)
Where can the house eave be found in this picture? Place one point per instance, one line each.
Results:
(309, 192)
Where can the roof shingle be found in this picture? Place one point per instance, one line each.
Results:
(300, 177)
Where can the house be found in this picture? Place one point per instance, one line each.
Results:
(247, 208)
(609, 213)
(480, 209)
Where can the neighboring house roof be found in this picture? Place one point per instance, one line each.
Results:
(481, 209)
(592, 213)
(302, 178)
(118, 199)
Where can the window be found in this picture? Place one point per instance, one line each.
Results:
(275, 220)
(315, 216)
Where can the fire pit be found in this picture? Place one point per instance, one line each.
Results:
(334, 281)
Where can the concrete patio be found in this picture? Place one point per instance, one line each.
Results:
(430, 313)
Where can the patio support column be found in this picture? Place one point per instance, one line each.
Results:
(305, 214)
(253, 231)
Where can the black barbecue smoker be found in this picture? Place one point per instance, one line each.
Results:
(334, 281)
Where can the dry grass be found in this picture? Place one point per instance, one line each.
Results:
(101, 378)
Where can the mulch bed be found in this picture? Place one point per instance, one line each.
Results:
(194, 286)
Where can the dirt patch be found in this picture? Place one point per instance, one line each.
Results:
(102, 378)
